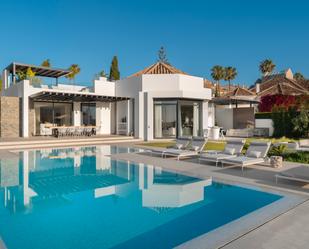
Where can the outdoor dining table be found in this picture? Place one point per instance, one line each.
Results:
(56, 133)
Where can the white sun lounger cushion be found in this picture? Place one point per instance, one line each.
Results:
(217, 156)
(254, 154)
(244, 160)
(195, 148)
(229, 151)
(179, 146)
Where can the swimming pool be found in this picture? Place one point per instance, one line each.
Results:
(80, 198)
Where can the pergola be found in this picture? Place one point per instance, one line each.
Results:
(53, 96)
(235, 100)
(41, 71)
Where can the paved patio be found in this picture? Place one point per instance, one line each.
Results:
(289, 229)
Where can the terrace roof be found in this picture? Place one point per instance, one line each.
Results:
(55, 96)
(39, 70)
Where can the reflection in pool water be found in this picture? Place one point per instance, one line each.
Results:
(80, 198)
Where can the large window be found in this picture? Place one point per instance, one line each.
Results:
(50, 114)
(177, 118)
(189, 121)
(88, 114)
(165, 119)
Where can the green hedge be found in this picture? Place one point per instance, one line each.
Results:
(297, 157)
(263, 115)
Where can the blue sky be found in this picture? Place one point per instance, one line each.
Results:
(196, 34)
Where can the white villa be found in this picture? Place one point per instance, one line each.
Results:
(157, 102)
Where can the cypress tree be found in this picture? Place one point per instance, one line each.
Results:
(114, 73)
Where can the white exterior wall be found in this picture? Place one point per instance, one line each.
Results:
(205, 114)
(224, 118)
(265, 123)
(77, 114)
(211, 115)
(142, 90)
(102, 86)
(103, 118)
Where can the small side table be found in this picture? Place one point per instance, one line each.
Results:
(276, 161)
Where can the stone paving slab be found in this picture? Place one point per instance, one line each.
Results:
(285, 226)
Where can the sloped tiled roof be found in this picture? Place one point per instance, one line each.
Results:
(279, 84)
(159, 68)
(240, 91)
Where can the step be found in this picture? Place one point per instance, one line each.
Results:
(65, 143)
(60, 140)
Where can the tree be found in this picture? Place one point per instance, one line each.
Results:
(230, 73)
(114, 73)
(0, 82)
(217, 73)
(301, 123)
(46, 63)
(298, 76)
(102, 74)
(74, 69)
(267, 67)
(30, 74)
(162, 55)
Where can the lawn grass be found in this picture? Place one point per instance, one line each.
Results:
(216, 145)
(209, 146)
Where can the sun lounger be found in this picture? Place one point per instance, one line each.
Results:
(232, 149)
(299, 174)
(256, 153)
(182, 143)
(196, 147)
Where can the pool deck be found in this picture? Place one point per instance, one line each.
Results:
(288, 229)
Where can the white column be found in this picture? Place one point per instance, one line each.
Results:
(149, 117)
(139, 116)
(103, 117)
(25, 108)
(128, 108)
(76, 114)
(205, 115)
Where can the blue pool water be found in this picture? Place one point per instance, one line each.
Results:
(80, 198)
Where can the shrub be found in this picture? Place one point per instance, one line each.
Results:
(277, 150)
(298, 157)
(282, 121)
(301, 123)
(263, 115)
(268, 102)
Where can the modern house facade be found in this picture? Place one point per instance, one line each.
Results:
(157, 102)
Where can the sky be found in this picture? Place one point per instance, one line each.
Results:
(196, 34)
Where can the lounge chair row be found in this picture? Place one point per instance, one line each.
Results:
(184, 147)
(232, 153)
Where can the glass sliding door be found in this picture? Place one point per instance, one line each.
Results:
(165, 119)
(63, 114)
(88, 114)
(44, 115)
(189, 121)
(50, 114)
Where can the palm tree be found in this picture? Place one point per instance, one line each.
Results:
(217, 73)
(230, 74)
(74, 69)
(46, 63)
(267, 67)
(298, 76)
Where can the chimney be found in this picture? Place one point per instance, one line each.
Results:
(257, 87)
